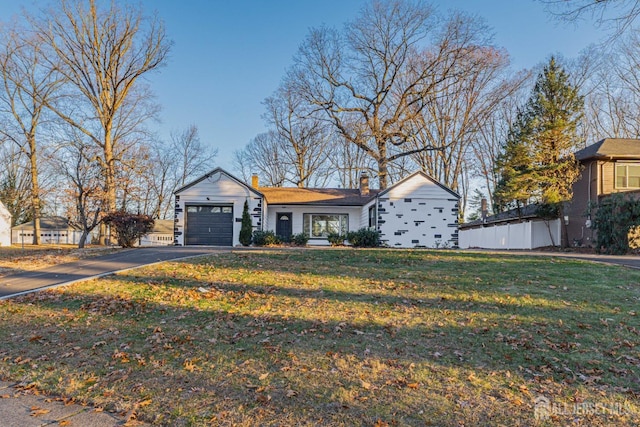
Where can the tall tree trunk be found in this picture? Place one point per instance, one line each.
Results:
(383, 165)
(109, 180)
(35, 190)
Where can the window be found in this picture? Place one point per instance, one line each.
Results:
(627, 175)
(320, 225)
(372, 217)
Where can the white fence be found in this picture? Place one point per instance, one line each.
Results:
(521, 235)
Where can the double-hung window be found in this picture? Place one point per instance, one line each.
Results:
(372, 217)
(627, 175)
(321, 225)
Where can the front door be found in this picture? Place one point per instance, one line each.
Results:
(283, 225)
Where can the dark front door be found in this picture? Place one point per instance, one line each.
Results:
(283, 225)
(210, 225)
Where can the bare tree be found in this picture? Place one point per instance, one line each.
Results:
(103, 53)
(27, 87)
(612, 93)
(621, 13)
(491, 135)
(303, 137)
(159, 169)
(262, 156)
(192, 157)
(455, 114)
(82, 178)
(348, 162)
(372, 79)
(157, 181)
(15, 184)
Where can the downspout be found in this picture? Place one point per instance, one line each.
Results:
(590, 168)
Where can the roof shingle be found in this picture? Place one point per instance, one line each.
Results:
(311, 196)
(611, 148)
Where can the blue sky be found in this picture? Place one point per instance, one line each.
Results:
(228, 55)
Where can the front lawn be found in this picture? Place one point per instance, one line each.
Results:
(340, 337)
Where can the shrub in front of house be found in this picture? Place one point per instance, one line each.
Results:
(266, 238)
(129, 227)
(364, 238)
(336, 239)
(246, 227)
(300, 239)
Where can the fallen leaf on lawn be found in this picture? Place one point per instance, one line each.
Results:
(263, 376)
(35, 411)
(145, 403)
(64, 423)
(291, 393)
(262, 398)
(189, 365)
(365, 385)
(413, 385)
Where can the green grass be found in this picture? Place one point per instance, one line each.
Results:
(340, 337)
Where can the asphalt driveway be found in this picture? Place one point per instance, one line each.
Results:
(28, 281)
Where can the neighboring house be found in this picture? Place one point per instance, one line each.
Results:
(161, 235)
(54, 230)
(609, 166)
(5, 226)
(415, 212)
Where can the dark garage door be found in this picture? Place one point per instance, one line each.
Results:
(209, 225)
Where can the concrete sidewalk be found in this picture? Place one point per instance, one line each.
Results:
(25, 408)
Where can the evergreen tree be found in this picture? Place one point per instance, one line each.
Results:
(246, 229)
(538, 165)
(515, 186)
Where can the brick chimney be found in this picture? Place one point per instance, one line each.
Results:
(364, 184)
(254, 180)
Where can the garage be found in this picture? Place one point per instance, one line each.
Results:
(210, 225)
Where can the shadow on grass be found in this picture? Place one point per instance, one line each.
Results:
(303, 356)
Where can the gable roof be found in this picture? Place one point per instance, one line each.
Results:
(213, 172)
(429, 178)
(335, 196)
(163, 226)
(315, 196)
(48, 223)
(611, 148)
